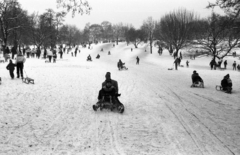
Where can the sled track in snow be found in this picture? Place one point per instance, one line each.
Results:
(210, 131)
(105, 137)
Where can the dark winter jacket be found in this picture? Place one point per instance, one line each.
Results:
(114, 84)
(224, 84)
(196, 78)
(11, 66)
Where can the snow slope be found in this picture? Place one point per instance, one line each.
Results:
(163, 115)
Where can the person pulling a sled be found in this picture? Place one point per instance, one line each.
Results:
(226, 84)
(109, 92)
(197, 80)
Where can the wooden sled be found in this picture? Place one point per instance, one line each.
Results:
(219, 88)
(28, 80)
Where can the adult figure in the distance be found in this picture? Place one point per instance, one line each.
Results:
(20, 60)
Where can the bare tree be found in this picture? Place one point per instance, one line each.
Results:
(231, 7)
(148, 27)
(219, 35)
(7, 17)
(176, 28)
(95, 32)
(106, 30)
(135, 36)
(118, 31)
(75, 6)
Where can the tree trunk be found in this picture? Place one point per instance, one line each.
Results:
(135, 44)
(151, 46)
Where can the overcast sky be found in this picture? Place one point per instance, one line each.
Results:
(126, 11)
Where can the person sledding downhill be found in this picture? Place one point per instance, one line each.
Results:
(197, 80)
(121, 66)
(89, 58)
(226, 84)
(108, 96)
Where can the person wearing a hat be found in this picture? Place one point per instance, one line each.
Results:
(110, 88)
(197, 80)
(108, 81)
(226, 84)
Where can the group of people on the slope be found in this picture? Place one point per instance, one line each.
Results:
(213, 64)
(226, 82)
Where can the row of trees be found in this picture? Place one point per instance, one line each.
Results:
(174, 31)
(17, 27)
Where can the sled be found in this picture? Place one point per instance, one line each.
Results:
(219, 88)
(28, 80)
(106, 103)
(170, 68)
(123, 68)
(199, 85)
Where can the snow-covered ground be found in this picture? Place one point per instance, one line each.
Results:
(163, 115)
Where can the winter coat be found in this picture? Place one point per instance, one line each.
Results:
(20, 59)
(196, 78)
(49, 52)
(11, 66)
(225, 62)
(224, 83)
(229, 81)
(114, 84)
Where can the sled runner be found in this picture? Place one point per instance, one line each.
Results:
(197, 85)
(28, 80)
(219, 88)
(108, 102)
(123, 68)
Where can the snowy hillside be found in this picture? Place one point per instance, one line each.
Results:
(163, 115)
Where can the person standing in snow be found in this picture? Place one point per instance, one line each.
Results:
(49, 54)
(187, 63)
(137, 60)
(225, 64)
(212, 64)
(176, 62)
(11, 68)
(75, 52)
(20, 60)
(234, 65)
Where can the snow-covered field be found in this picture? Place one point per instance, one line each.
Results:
(163, 115)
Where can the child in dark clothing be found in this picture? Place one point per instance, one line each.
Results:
(11, 68)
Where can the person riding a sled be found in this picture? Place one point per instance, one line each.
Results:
(109, 93)
(226, 84)
(197, 80)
